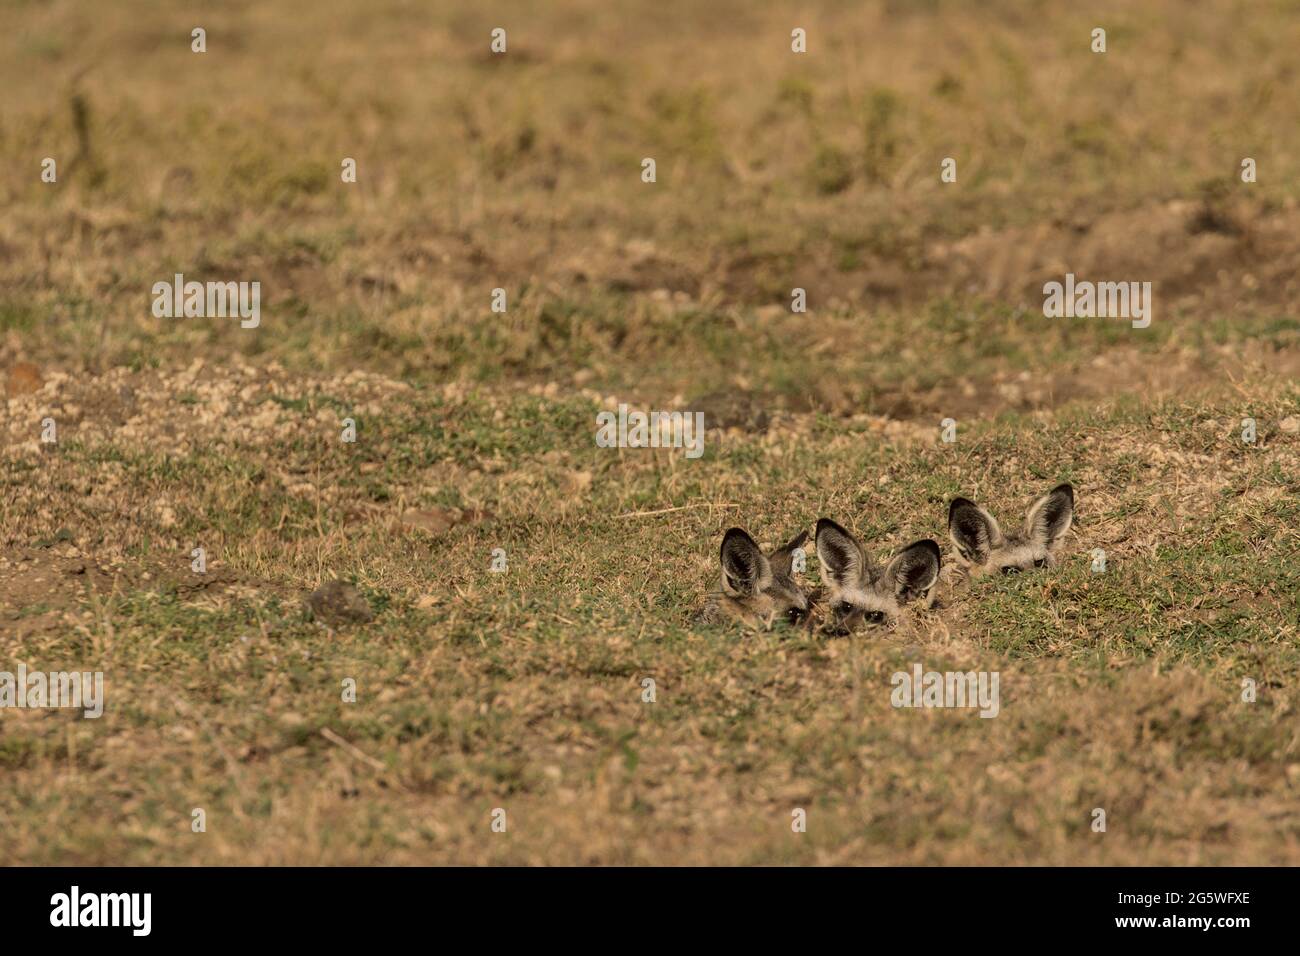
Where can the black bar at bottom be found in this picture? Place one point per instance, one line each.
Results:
(604, 906)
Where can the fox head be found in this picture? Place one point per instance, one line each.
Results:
(757, 588)
(984, 548)
(859, 592)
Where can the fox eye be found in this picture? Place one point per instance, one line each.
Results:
(1010, 569)
(874, 617)
(844, 607)
(795, 615)
(1039, 562)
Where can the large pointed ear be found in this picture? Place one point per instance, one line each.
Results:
(973, 530)
(839, 554)
(1050, 517)
(914, 570)
(744, 569)
(783, 557)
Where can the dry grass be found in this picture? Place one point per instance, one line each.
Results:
(523, 690)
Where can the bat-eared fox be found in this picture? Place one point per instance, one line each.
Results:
(760, 589)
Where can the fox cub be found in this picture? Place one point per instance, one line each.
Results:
(758, 589)
(860, 592)
(984, 548)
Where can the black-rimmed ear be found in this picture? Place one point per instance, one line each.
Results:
(839, 554)
(973, 530)
(783, 557)
(744, 569)
(1050, 517)
(914, 570)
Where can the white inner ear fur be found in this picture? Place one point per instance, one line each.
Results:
(995, 531)
(762, 580)
(851, 573)
(1047, 538)
(996, 538)
(894, 580)
(847, 579)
